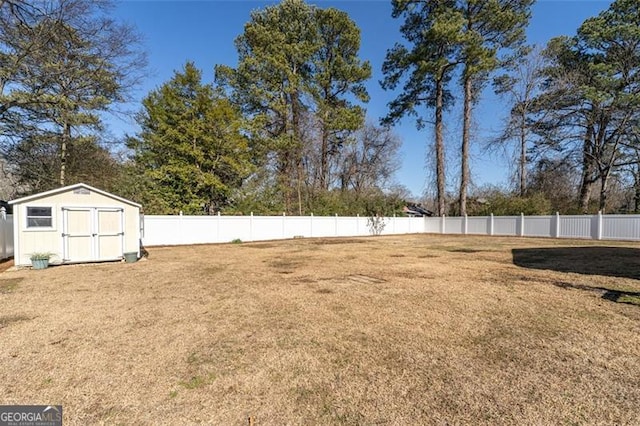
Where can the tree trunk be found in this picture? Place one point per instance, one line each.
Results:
(588, 170)
(466, 128)
(296, 154)
(299, 188)
(440, 147)
(66, 136)
(523, 157)
(604, 190)
(284, 178)
(636, 198)
(324, 158)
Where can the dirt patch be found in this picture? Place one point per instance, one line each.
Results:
(330, 332)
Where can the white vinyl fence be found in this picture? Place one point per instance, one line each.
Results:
(597, 227)
(6, 234)
(175, 230)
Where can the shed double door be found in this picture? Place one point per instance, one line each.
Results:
(92, 233)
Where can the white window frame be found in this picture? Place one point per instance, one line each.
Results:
(28, 228)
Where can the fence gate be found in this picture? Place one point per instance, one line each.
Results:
(92, 233)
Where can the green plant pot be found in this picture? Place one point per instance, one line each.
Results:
(40, 263)
(131, 257)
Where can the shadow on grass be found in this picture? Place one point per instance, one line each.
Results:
(622, 262)
(618, 296)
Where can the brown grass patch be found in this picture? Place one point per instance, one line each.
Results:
(7, 320)
(461, 330)
(338, 241)
(9, 284)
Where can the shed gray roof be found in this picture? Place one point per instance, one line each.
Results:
(71, 188)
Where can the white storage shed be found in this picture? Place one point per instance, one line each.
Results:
(76, 223)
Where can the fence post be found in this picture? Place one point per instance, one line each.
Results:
(442, 225)
(557, 226)
(311, 225)
(522, 224)
(336, 225)
(283, 224)
(599, 226)
(393, 221)
(358, 224)
(251, 227)
(466, 224)
(218, 239)
(3, 234)
(491, 224)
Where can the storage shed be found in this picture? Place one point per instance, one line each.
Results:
(76, 223)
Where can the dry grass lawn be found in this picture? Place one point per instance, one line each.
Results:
(416, 329)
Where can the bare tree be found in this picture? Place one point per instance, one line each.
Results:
(520, 87)
(371, 160)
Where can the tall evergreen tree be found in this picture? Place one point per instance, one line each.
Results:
(191, 151)
(424, 68)
(492, 29)
(298, 67)
(337, 72)
(275, 53)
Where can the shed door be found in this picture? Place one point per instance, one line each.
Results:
(109, 233)
(92, 234)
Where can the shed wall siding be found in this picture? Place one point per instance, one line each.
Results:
(50, 240)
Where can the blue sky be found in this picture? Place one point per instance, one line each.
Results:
(204, 32)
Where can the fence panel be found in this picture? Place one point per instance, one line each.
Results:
(197, 229)
(261, 228)
(323, 226)
(352, 226)
(432, 225)
(478, 225)
(538, 226)
(620, 227)
(298, 226)
(454, 225)
(505, 225)
(6, 235)
(402, 225)
(161, 230)
(576, 226)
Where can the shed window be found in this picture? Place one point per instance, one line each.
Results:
(39, 217)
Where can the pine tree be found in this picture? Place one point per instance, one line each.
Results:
(433, 30)
(492, 29)
(298, 71)
(191, 150)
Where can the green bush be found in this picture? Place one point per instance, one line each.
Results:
(501, 204)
